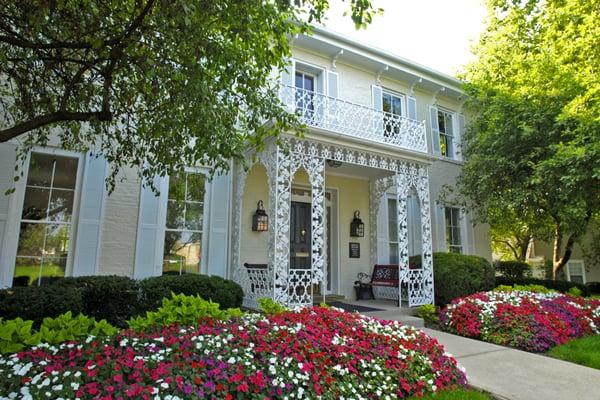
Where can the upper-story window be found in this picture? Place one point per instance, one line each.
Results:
(454, 242)
(305, 96)
(184, 224)
(44, 245)
(446, 133)
(393, 107)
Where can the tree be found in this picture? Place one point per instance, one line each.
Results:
(149, 83)
(533, 146)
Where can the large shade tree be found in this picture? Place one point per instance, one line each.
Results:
(533, 146)
(160, 83)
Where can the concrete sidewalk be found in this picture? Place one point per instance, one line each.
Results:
(518, 375)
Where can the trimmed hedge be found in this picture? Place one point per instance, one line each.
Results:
(512, 269)
(113, 298)
(458, 275)
(561, 286)
(226, 293)
(38, 302)
(594, 287)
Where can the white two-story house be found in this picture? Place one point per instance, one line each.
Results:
(383, 137)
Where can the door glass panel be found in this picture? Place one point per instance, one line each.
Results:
(392, 220)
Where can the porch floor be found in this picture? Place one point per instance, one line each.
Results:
(388, 309)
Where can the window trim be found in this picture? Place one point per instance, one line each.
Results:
(460, 226)
(15, 210)
(454, 117)
(401, 96)
(162, 229)
(582, 269)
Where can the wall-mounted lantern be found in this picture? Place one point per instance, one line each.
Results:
(357, 227)
(260, 219)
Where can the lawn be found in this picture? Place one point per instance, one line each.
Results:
(33, 271)
(584, 351)
(460, 394)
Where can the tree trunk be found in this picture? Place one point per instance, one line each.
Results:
(558, 261)
(523, 247)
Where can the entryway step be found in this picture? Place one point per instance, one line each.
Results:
(328, 297)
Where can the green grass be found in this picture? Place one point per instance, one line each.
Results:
(33, 271)
(459, 394)
(584, 351)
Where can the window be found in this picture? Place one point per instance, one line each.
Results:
(453, 231)
(46, 219)
(393, 107)
(576, 271)
(393, 230)
(446, 133)
(305, 85)
(184, 225)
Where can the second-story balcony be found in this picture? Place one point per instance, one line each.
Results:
(354, 120)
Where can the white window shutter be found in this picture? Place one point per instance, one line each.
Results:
(458, 137)
(8, 159)
(332, 84)
(218, 223)
(435, 129)
(383, 237)
(151, 230)
(91, 211)
(377, 100)
(412, 107)
(441, 228)
(468, 234)
(287, 75)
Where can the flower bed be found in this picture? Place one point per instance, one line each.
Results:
(526, 320)
(314, 352)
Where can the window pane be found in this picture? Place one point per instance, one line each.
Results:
(393, 253)
(397, 105)
(392, 220)
(31, 239)
(27, 270)
(441, 122)
(456, 235)
(177, 187)
(61, 205)
(57, 241)
(449, 128)
(40, 169)
(182, 252)
(35, 204)
(577, 278)
(65, 173)
(52, 268)
(193, 216)
(299, 80)
(175, 214)
(387, 102)
(309, 83)
(195, 187)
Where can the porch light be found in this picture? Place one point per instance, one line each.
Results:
(260, 219)
(357, 227)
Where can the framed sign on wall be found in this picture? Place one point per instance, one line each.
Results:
(354, 250)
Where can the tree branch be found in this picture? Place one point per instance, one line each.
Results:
(47, 119)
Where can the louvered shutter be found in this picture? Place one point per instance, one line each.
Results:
(435, 130)
(412, 107)
(218, 223)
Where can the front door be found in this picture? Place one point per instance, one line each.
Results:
(300, 235)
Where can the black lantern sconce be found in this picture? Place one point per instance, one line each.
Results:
(260, 219)
(357, 227)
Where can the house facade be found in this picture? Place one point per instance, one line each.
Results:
(359, 188)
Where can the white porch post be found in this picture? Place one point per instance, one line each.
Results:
(427, 261)
(239, 176)
(401, 207)
(316, 170)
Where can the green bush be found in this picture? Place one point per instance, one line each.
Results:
(594, 287)
(560, 286)
(226, 293)
(38, 302)
(429, 313)
(457, 275)
(525, 288)
(114, 298)
(512, 269)
(182, 310)
(270, 307)
(17, 334)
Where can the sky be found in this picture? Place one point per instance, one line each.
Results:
(435, 33)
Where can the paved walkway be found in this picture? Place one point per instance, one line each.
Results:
(506, 373)
(518, 375)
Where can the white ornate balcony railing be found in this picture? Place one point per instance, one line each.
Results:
(329, 113)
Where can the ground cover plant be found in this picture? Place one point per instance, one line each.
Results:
(319, 351)
(523, 319)
(584, 351)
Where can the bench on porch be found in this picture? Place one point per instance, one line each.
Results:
(258, 277)
(384, 282)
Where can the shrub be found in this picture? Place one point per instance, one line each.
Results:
(316, 352)
(429, 313)
(594, 287)
(38, 302)
(17, 334)
(526, 320)
(182, 310)
(270, 306)
(223, 291)
(524, 288)
(114, 298)
(458, 275)
(512, 269)
(561, 286)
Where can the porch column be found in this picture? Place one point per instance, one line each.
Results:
(239, 177)
(427, 260)
(401, 207)
(316, 169)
